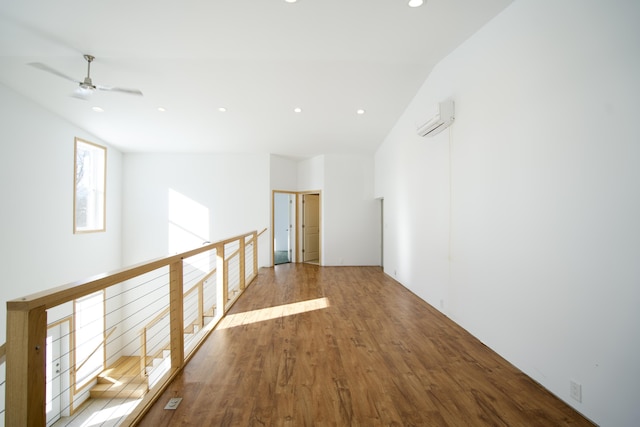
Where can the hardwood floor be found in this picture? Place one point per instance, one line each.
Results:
(367, 352)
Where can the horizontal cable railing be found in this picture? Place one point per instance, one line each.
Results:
(103, 349)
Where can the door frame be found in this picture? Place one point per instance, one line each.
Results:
(303, 228)
(66, 402)
(294, 254)
(297, 229)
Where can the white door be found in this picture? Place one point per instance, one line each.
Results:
(292, 229)
(311, 227)
(54, 369)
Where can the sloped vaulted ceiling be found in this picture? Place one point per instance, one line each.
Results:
(258, 59)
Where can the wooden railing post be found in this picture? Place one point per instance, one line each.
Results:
(143, 352)
(222, 285)
(200, 304)
(26, 360)
(255, 253)
(243, 253)
(176, 314)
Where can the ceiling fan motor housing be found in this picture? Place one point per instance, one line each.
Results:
(87, 84)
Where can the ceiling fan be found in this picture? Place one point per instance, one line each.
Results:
(86, 86)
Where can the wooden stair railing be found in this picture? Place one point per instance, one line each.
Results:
(27, 327)
(199, 286)
(120, 380)
(104, 340)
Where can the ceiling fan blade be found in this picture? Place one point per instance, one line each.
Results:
(86, 87)
(48, 69)
(120, 89)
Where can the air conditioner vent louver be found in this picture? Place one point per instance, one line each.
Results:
(440, 121)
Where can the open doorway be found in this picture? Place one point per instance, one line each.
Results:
(284, 226)
(295, 222)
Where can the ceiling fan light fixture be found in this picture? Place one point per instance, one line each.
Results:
(415, 3)
(82, 93)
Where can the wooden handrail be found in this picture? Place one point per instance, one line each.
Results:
(164, 312)
(27, 316)
(263, 230)
(200, 282)
(104, 340)
(204, 279)
(193, 288)
(230, 257)
(56, 296)
(3, 353)
(156, 319)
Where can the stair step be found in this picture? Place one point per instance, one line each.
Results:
(122, 379)
(160, 355)
(192, 328)
(134, 379)
(126, 369)
(113, 391)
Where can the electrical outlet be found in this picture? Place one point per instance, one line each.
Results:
(575, 391)
(173, 403)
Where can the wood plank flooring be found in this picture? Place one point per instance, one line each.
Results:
(375, 355)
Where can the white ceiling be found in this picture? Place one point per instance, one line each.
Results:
(258, 58)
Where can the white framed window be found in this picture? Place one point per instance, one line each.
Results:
(90, 173)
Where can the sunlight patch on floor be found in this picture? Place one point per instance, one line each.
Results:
(100, 412)
(238, 319)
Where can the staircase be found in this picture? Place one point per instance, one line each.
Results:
(123, 379)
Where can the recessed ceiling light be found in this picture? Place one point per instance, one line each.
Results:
(162, 109)
(297, 110)
(97, 109)
(291, 1)
(361, 111)
(222, 109)
(415, 3)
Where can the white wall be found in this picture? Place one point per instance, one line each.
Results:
(532, 244)
(283, 173)
(351, 215)
(39, 250)
(231, 191)
(311, 174)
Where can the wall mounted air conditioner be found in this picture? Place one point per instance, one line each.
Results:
(440, 121)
